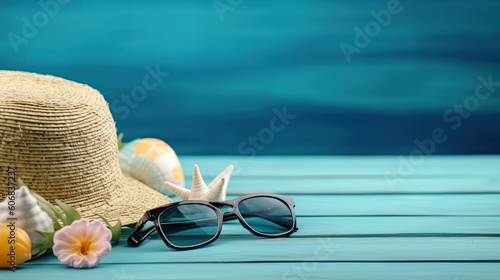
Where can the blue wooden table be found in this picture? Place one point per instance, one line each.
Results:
(384, 217)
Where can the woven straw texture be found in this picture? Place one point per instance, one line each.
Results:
(61, 139)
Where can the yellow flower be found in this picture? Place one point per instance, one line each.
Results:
(82, 244)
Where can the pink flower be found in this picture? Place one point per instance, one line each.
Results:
(82, 244)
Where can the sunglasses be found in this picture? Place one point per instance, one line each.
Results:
(191, 224)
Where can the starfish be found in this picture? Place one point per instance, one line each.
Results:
(215, 191)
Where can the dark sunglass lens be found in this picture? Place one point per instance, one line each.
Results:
(189, 225)
(266, 215)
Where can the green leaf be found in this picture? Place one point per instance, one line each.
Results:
(49, 240)
(116, 230)
(61, 218)
(47, 235)
(70, 212)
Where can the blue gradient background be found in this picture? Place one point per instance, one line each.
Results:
(226, 76)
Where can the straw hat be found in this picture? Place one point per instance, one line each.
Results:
(61, 139)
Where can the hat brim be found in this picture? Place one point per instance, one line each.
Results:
(127, 202)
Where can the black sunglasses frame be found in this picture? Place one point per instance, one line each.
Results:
(154, 214)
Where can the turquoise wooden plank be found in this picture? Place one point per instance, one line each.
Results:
(236, 249)
(398, 204)
(343, 166)
(380, 226)
(397, 226)
(239, 185)
(305, 269)
(446, 219)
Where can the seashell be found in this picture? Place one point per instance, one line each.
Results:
(215, 191)
(29, 216)
(22, 247)
(82, 244)
(152, 162)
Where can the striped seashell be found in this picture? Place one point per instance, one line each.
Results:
(28, 215)
(152, 162)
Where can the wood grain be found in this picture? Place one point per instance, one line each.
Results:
(273, 270)
(442, 221)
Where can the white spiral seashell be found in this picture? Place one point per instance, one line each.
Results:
(28, 215)
(152, 162)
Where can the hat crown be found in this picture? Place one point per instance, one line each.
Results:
(59, 137)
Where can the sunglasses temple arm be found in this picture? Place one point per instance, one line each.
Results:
(137, 238)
